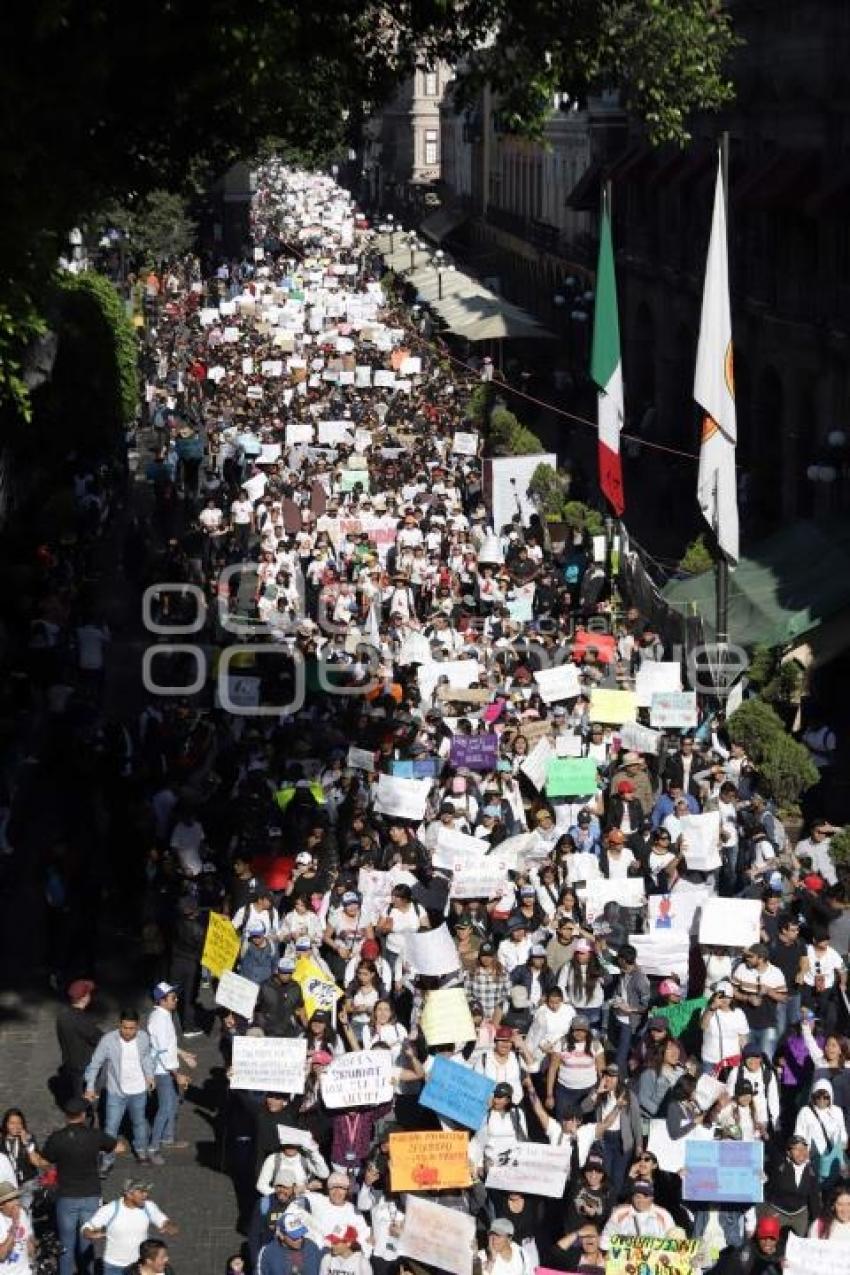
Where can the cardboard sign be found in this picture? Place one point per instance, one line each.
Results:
(558, 683)
(402, 798)
(475, 752)
(429, 1161)
(237, 994)
(458, 695)
(701, 841)
(221, 946)
(536, 764)
(438, 1236)
(612, 707)
(431, 952)
(269, 1064)
(446, 1019)
(730, 922)
(655, 676)
(363, 1079)
(571, 777)
(465, 444)
(460, 674)
(674, 710)
(639, 739)
(457, 1092)
(827, 1257)
(722, 1170)
(532, 1168)
(650, 1256)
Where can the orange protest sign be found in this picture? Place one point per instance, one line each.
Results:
(429, 1161)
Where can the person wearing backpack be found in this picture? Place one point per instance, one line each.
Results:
(124, 1224)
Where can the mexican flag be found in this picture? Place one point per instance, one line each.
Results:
(607, 371)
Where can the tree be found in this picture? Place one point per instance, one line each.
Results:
(785, 768)
(696, 558)
(509, 437)
(157, 227)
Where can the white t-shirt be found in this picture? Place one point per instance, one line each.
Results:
(18, 1260)
(240, 512)
(163, 1040)
(186, 840)
(126, 1229)
(132, 1077)
(824, 964)
(721, 1032)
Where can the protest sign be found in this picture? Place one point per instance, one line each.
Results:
(402, 798)
(656, 676)
(536, 765)
(384, 379)
(730, 922)
(376, 889)
(649, 1255)
(612, 707)
(465, 444)
(629, 892)
(319, 991)
(558, 683)
(532, 730)
(221, 946)
(415, 649)
(460, 674)
(483, 879)
(639, 739)
(571, 777)
(701, 841)
(237, 994)
(431, 952)
(521, 608)
(459, 695)
(446, 1019)
(669, 1152)
(677, 911)
(828, 1257)
(457, 1092)
(663, 952)
(674, 710)
(290, 1136)
(269, 1064)
(363, 1079)
(298, 432)
(475, 752)
(532, 1168)
(410, 365)
(438, 1236)
(722, 1170)
(332, 433)
(360, 759)
(429, 1161)
(567, 745)
(417, 768)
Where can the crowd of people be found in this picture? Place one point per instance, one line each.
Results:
(464, 806)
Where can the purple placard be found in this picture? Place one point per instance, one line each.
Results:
(475, 752)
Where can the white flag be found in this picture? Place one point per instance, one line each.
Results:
(714, 389)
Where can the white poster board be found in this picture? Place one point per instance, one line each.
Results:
(437, 1235)
(269, 1063)
(536, 765)
(639, 739)
(402, 798)
(629, 892)
(363, 1079)
(431, 952)
(730, 922)
(237, 994)
(826, 1257)
(532, 1168)
(656, 675)
(506, 480)
(360, 759)
(663, 952)
(701, 841)
(558, 683)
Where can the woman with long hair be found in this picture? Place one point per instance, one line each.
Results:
(664, 1066)
(573, 1069)
(582, 981)
(834, 1223)
(18, 1146)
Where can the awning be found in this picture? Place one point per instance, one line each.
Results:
(440, 224)
(585, 195)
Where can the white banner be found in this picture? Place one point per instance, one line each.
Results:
(465, 444)
(629, 892)
(269, 1063)
(558, 683)
(360, 759)
(536, 764)
(431, 952)
(639, 739)
(237, 993)
(730, 922)
(437, 1235)
(676, 911)
(656, 675)
(403, 798)
(363, 1079)
(482, 880)
(532, 1168)
(827, 1257)
(701, 841)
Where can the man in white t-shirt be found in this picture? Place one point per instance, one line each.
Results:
(125, 1223)
(167, 1074)
(242, 517)
(17, 1245)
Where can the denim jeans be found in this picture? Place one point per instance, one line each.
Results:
(167, 1104)
(766, 1039)
(71, 1213)
(134, 1104)
(788, 1013)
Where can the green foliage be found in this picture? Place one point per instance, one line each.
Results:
(549, 488)
(839, 848)
(754, 725)
(479, 403)
(785, 685)
(509, 437)
(157, 226)
(582, 518)
(20, 325)
(762, 666)
(785, 766)
(696, 558)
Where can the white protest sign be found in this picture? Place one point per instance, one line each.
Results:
(360, 759)
(363, 1079)
(701, 841)
(376, 889)
(663, 952)
(362, 377)
(730, 922)
(670, 1152)
(674, 710)
(558, 683)
(411, 366)
(269, 1063)
(440, 1236)
(269, 453)
(455, 849)
(465, 444)
(237, 993)
(532, 1168)
(656, 675)
(431, 952)
(480, 880)
(362, 439)
(415, 649)
(298, 432)
(639, 739)
(290, 1136)
(535, 767)
(403, 798)
(568, 745)
(676, 911)
(460, 673)
(384, 380)
(629, 892)
(331, 433)
(827, 1257)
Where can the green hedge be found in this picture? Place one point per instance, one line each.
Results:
(785, 767)
(91, 303)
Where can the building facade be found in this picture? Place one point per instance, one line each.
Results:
(402, 144)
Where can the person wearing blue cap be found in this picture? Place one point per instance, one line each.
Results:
(292, 1250)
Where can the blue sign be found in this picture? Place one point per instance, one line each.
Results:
(421, 768)
(724, 1170)
(457, 1092)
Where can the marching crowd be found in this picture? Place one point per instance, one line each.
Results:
(464, 817)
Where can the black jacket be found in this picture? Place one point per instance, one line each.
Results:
(783, 1192)
(78, 1034)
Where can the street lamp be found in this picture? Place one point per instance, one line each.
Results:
(413, 244)
(443, 267)
(391, 220)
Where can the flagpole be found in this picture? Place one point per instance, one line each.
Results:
(722, 565)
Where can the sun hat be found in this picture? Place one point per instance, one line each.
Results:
(502, 1226)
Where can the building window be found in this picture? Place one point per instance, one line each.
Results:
(431, 146)
(430, 79)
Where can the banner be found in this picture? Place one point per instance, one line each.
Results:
(627, 1255)
(663, 952)
(724, 1170)
(438, 1236)
(317, 988)
(730, 922)
(269, 1064)
(558, 683)
(221, 946)
(571, 777)
(363, 1079)
(612, 707)
(629, 892)
(402, 798)
(482, 880)
(536, 765)
(475, 752)
(532, 1168)
(446, 1019)
(656, 676)
(429, 1161)
(827, 1257)
(639, 739)
(237, 994)
(674, 710)
(431, 952)
(457, 1093)
(701, 841)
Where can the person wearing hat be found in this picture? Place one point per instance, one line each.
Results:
(502, 1256)
(335, 1213)
(590, 1196)
(289, 1248)
(168, 1077)
(124, 1224)
(792, 1189)
(724, 1030)
(78, 1035)
(280, 1004)
(17, 1238)
(821, 1123)
(632, 770)
(259, 959)
(762, 1255)
(759, 986)
(346, 1256)
(640, 1217)
(268, 1210)
(299, 1161)
(514, 950)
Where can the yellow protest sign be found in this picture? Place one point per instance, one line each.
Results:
(612, 707)
(317, 988)
(429, 1161)
(446, 1019)
(221, 946)
(650, 1256)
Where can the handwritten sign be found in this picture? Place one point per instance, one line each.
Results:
(724, 1169)
(457, 1092)
(446, 1019)
(650, 1255)
(403, 798)
(483, 879)
(363, 1079)
(558, 683)
(360, 759)
(674, 710)
(431, 952)
(221, 946)
(639, 739)
(429, 1161)
(532, 1168)
(237, 994)
(475, 752)
(465, 444)
(629, 892)
(269, 1063)
(438, 1236)
(571, 777)
(318, 990)
(612, 707)
(827, 1257)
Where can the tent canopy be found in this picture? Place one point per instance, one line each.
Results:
(466, 307)
(787, 586)
(441, 223)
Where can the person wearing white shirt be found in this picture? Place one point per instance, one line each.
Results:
(724, 1028)
(17, 1240)
(168, 1078)
(124, 1224)
(330, 1214)
(516, 948)
(641, 1218)
(502, 1256)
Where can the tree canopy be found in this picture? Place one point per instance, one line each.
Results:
(108, 100)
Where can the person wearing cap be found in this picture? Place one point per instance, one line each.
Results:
(124, 1224)
(346, 1256)
(632, 771)
(268, 1210)
(17, 1238)
(724, 1030)
(125, 1058)
(503, 1127)
(792, 1189)
(299, 1161)
(762, 1255)
(514, 950)
(501, 1062)
(640, 1217)
(289, 1249)
(334, 1213)
(78, 1034)
(759, 987)
(168, 1077)
(502, 1256)
(259, 959)
(586, 833)
(259, 912)
(280, 1004)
